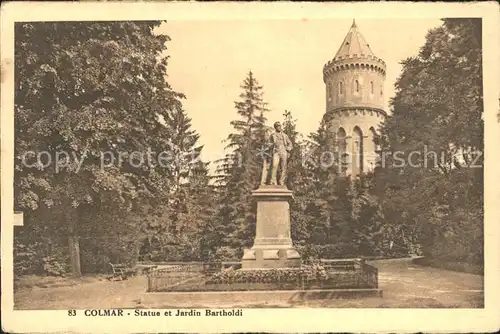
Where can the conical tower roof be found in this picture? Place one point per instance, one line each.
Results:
(354, 44)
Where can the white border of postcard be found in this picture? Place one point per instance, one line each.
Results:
(261, 320)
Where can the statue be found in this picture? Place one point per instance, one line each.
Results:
(280, 146)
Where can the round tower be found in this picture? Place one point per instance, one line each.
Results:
(354, 81)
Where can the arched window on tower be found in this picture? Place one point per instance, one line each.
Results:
(357, 151)
(341, 87)
(356, 85)
(381, 90)
(343, 155)
(372, 89)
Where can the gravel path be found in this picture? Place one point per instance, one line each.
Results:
(405, 286)
(103, 294)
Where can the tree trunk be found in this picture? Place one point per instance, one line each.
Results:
(74, 247)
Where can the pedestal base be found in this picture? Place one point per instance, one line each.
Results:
(270, 257)
(273, 246)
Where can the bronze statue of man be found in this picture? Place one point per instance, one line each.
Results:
(280, 146)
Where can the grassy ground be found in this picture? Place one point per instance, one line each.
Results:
(405, 285)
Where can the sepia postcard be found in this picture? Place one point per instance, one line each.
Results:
(231, 167)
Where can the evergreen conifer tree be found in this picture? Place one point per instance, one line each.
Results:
(239, 172)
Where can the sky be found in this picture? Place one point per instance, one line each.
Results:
(210, 59)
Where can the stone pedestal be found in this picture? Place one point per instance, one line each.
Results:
(272, 246)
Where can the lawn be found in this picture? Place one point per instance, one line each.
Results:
(405, 285)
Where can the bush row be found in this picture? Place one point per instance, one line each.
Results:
(285, 275)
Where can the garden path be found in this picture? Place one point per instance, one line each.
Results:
(404, 285)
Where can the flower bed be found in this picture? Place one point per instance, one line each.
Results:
(304, 278)
(284, 276)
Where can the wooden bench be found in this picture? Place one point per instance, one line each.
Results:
(121, 271)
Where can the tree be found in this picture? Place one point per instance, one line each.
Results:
(239, 171)
(333, 214)
(433, 189)
(188, 209)
(84, 100)
(297, 180)
(318, 211)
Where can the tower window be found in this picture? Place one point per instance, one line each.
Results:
(341, 139)
(341, 87)
(358, 154)
(371, 87)
(357, 86)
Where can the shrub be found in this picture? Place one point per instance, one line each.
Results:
(310, 253)
(94, 262)
(223, 254)
(52, 266)
(36, 256)
(178, 253)
(97, 253)
(314, 273)
(26, 259)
